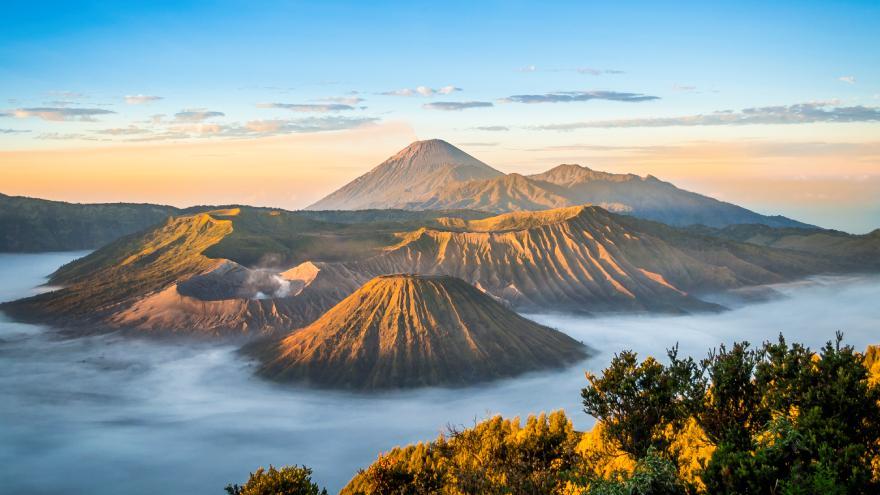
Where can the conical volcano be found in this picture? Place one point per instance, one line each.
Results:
(414, 174)
(410, 331)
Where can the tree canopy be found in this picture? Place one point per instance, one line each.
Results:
(777, 419)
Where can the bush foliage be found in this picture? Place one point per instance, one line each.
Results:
(289, 480)
(779, 419)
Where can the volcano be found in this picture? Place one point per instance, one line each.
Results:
(401, 331)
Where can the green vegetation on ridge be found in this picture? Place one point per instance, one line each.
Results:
(35, 225)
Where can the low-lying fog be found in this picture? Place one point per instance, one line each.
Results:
(110, 415)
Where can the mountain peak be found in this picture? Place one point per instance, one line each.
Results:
(569, 168)
(412, 174)
(409, 330)
(429, 144)
(569, 174)
(433, 154)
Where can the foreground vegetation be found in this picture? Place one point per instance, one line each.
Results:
(778, 419)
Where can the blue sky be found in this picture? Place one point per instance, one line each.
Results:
(612, 73)
(231, 55)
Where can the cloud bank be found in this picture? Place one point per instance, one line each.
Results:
(802, 113)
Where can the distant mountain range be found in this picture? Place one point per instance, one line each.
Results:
(434, 174)
(425, 176)
(412, 330)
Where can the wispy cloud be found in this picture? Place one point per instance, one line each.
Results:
(13, 131)
(160, 136)
(724, 150)
(590, 71)
(55, 136)
(196, 115)
(71, 95)
(847, 79)
(251, 129)
(456, 105)
(306, 125)
(141, 99)
(479, 144)
(57, 114)
(683, 88)
(597, 72)
(422, 91)
(346, 100)
(573, 96)
(309, 107)
(802, 113)
(199, 129)
(123, 131)
(492, 128)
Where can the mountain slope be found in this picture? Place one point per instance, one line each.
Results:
(228, 271)
(412, 175)
(569, 185)
(139, 264)
(511, 192)
(409, 331)
(652, 199)
(581, 259)
(36, 225)
(216, 272)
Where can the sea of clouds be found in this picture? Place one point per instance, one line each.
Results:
(111, 415)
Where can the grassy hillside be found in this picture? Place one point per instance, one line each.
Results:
(281, 238)
(130, 267)
(110, 284)
(35, 225)
(860, 250)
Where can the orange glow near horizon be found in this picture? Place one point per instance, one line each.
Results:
(294, 171)
(288, 171)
